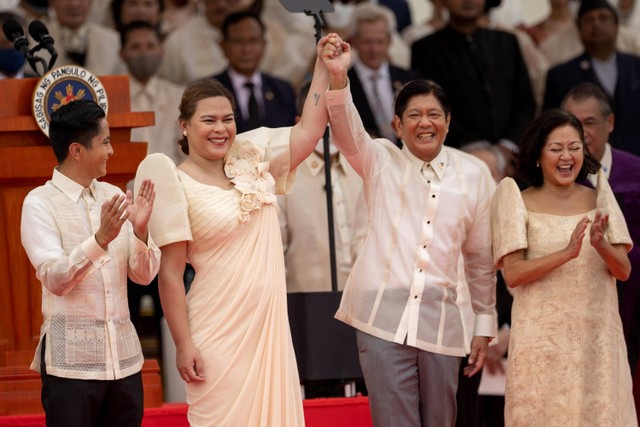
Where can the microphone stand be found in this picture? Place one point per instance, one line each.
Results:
(46, 67)
(316, 8)
(319, 25)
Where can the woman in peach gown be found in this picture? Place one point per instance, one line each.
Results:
(562, 246)
(217, 210)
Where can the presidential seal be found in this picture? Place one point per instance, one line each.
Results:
(61, 86)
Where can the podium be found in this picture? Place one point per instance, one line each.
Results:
(27, 161)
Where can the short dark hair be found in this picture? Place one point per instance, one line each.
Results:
(77, 121)
(116, 12)
(588, 5)
(587, 90)
(534, 139)
(234, 18)
(420, 87)
(195, 92)
(137, 25)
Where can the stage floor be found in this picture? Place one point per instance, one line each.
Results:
(333, 412)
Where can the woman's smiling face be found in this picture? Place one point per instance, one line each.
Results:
(562, 156)
(212, 128)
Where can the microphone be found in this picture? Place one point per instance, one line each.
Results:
(14, 33)
(39, 32)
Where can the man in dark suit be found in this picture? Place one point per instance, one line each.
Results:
(616, 73)
(591, 106)
(484, 75)
(263, 100)
(374, 80)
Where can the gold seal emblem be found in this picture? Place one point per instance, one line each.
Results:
(62, 85)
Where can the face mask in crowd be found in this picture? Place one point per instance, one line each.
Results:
(143, 66)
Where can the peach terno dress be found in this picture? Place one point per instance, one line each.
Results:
(237, 307)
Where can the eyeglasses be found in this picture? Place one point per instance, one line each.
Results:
(591, 123)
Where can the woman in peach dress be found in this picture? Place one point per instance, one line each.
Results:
(217, 210)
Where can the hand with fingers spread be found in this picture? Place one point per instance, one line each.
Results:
(113, 214)
(598, 229)
(140, 210)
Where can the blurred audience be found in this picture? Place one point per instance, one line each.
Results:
(565, 43)
(373, 79)
(342, 22)
(535, 61)
(193, 50)
(484, 75)
(30, 9)
(176, 13)
(124, 12)
(437, 20)
(263, 100)
(142, 52)
(617, 73)
(81, 42)
(559, 18)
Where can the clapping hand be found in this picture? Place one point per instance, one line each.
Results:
(113, 214)
(575, 242)
(140, 210)
(598, 228)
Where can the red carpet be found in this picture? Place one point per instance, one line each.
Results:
(339, 412)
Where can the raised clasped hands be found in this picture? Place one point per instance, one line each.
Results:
(336, 56)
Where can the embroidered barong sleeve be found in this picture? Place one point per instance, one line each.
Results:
(57, 270)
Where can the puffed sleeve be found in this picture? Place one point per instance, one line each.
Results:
(169, 221)
(617, 231)
(274, 143)
(508, 221)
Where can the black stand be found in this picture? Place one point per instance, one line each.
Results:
(316, 8)
(325, 348)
